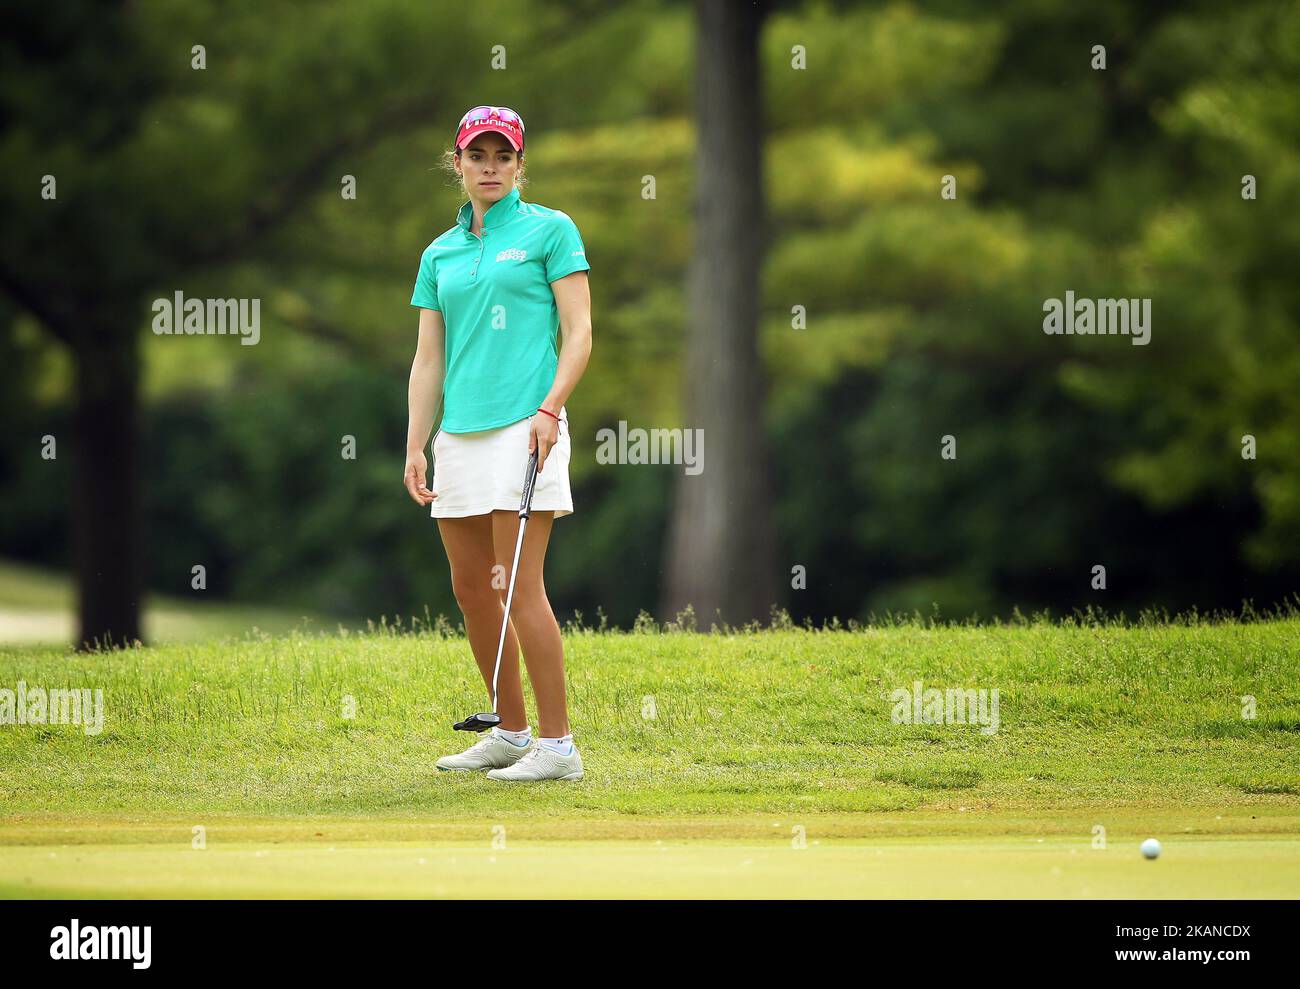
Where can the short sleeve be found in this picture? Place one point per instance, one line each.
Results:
(565, 253)
(425, 295)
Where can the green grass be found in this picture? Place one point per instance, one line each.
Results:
(37, 606)
(1137, 729)
(561, 868)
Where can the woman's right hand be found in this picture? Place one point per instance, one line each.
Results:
(416, 469)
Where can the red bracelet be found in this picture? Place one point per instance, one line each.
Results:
(551, 414)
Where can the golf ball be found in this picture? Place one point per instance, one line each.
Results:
(1151, 848)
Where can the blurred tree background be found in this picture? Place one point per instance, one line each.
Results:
(924, 314)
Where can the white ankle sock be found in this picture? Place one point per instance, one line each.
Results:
(564, 746)
(519, 738)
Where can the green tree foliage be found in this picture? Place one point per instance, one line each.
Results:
(923, 314)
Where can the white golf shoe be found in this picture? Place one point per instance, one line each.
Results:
(490, 752)
(541, 763)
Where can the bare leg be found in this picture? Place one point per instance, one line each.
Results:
(469, 545)
(531, 615)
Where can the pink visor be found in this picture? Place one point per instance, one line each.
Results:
(483, 119)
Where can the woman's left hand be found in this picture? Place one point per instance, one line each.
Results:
(544, 434)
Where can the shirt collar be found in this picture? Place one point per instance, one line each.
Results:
(497, 213)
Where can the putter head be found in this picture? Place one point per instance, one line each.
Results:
(478, 722)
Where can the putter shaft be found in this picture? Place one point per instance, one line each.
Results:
(505, 619)
(525, 509)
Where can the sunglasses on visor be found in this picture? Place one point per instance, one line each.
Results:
(483, 113)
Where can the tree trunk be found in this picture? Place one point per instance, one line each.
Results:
(720, 544)
(106, 510)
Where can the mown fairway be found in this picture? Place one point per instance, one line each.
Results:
(709, 759)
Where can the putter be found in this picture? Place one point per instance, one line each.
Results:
(490, 719)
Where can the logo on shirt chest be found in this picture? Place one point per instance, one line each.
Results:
(514, 254)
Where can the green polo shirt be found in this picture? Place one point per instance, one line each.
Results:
(501, 320)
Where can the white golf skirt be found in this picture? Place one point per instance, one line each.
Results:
(477, 473)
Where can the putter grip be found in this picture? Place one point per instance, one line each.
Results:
(530, 478)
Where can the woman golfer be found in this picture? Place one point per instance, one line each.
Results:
(492, 292)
